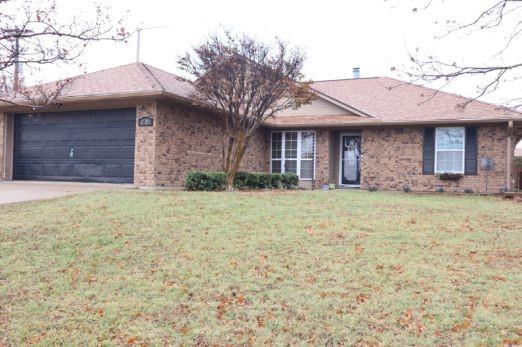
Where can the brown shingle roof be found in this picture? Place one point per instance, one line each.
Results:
(377, 100)
(136, 78)
(131, 80)
(391, 100)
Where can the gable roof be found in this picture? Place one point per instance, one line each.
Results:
(372, 101)
(387, 100)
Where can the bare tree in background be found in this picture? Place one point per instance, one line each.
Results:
(504, 15)
(248, 81)
(33, 34)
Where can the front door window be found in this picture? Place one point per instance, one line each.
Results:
(350, 160)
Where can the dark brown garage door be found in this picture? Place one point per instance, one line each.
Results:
(88, 146)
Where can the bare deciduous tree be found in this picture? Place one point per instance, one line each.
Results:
(33, 34)
(249, 82)
(501, 15)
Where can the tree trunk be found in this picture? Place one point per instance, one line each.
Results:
(234, 157)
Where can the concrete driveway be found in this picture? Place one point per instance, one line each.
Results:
(18, 191)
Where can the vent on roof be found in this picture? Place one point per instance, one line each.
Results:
(356, 72)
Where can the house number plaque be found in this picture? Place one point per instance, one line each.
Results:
(145, 121)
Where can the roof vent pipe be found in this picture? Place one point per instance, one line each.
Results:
(356, 72)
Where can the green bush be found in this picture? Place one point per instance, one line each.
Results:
(289, 180)
(276, 182)
(264, 180)
(252, 181)
(209, 181)
(241, 180)
(518, 161)
(213, 181)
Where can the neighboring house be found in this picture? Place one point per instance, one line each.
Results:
(137, 124)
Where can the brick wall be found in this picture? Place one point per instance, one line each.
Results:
(392, 158)
(184, 138)
(144, 153)
(323, 149)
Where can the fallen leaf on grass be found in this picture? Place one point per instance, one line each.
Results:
(512, 342)
(461, 326)
(397, 268)
(406, 318)
(310, 279)
(361, 298)
(310, 231)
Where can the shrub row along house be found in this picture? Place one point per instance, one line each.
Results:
(137, 124)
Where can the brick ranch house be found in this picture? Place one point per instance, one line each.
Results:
(137, 124)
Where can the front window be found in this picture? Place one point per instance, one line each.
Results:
(293, 151)
(449, 150)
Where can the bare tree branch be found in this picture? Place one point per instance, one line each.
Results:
(492, 76)
(32, 35)
(250, 82)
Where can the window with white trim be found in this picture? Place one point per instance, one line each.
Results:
(293, 151)
(449, 149)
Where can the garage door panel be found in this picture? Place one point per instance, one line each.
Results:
(113, 170)
(20, 169)
(114, 152)
(127, 170)
(34, 168)
(35, 153)
(63, 153)
(88, 170)
(96, 152)
(97, 135)
(23, 152)
(49, 153)
(127, 152)
(79, 153)
(64, 170)
(49, 169)
(93, 146)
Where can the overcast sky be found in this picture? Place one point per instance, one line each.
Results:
(335, 35)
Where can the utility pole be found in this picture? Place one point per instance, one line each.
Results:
(16, 33)
(138, 40)
(16, 77)
(138, 43)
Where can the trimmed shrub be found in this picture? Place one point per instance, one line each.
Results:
(241, 180)
(208, 181)
(289, 180)
(213, 181)
(276, 182)
(264, 180)
(252, 181)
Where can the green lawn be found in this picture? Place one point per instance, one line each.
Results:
(342, 267)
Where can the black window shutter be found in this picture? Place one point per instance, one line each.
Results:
(428, 152)
(470, 159)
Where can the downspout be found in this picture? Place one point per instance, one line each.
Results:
(4, 158)
(510, 154)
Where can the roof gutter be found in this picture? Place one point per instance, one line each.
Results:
(23, 106)
(394, 123)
